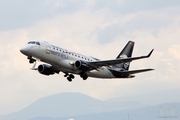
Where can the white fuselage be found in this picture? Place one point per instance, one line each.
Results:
(69, 62)
(62, 59)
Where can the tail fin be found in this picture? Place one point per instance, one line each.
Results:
(125, 53)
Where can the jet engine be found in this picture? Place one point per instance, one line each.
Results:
(81, 65)
(45, 69)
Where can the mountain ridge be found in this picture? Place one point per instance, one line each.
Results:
(61, 104)
(161, 111)
(66, 105)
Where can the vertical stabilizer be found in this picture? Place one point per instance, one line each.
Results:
(125, 53)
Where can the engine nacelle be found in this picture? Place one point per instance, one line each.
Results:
(45, 69)
(81, 65)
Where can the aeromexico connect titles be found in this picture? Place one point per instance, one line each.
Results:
(62, 60)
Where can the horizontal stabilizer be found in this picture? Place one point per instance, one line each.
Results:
(137, 71)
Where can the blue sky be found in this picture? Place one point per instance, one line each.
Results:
(98, 28)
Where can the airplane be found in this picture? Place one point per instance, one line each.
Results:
(58, 59)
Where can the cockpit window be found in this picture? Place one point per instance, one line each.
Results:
(33, 42)
(37, 43)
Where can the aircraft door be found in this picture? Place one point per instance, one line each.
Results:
(48, 48)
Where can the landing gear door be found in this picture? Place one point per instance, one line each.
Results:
(48, 48)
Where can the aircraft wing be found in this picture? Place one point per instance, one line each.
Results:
(98, 64)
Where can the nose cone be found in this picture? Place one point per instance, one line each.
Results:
(24, 50)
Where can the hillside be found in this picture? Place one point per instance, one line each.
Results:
(167, 111)
(64, 106)
(59, 105)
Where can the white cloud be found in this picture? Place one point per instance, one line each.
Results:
(174, 51)
(90, 2)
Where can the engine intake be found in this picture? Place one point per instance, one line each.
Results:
(45, 69)
(81, 65)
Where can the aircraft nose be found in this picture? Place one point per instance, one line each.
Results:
(24, 49)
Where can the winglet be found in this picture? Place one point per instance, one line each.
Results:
(150, 53)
